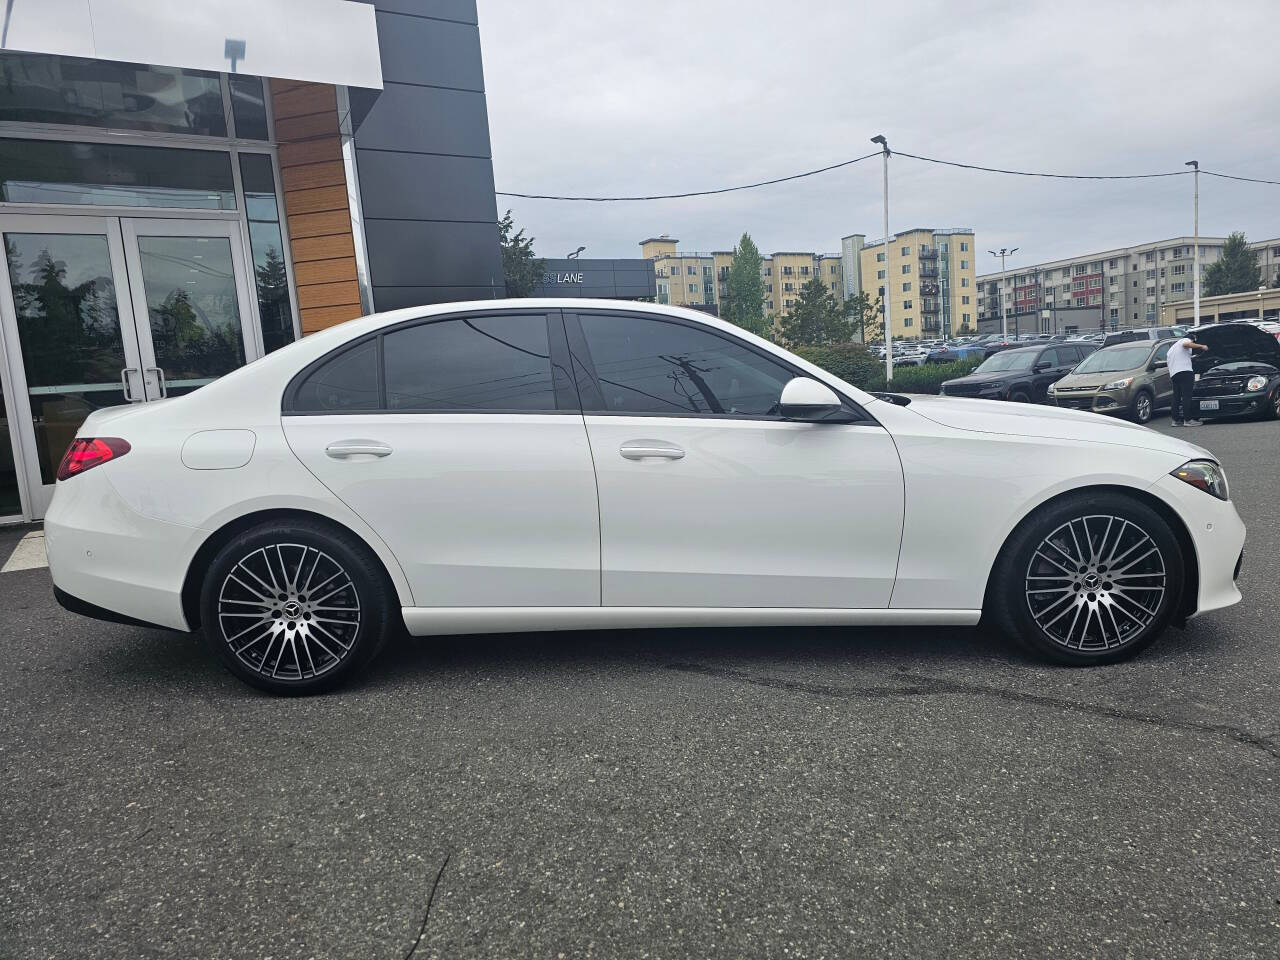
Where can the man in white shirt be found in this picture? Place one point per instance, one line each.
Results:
(1184, 381)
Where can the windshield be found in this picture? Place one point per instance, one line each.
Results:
(1114, 359)
(1011, 360)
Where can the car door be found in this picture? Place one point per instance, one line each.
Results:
(1161, 382)
(708, 497)
(1057, 368)
(460, 442)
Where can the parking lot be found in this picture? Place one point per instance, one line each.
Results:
(763, 793)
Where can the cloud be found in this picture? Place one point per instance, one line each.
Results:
(609, 97)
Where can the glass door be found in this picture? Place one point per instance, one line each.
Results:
(190, 294)
(69, 334)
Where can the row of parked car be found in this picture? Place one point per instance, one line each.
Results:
(1239, 375)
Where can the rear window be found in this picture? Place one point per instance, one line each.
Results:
(345, 383)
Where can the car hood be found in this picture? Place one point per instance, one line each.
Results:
(1097, 379)
(981, 378)
(1058, 423)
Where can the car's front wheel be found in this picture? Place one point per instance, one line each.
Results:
(1143, 407)
(1271, 408)
(295, 606)
(1088, 579)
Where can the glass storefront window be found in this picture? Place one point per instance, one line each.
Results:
(39, 88)
(56, 171)
(271, 280)
(248, 106)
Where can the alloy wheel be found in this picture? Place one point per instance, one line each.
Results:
(1143, 409)
(1096, 583)
(288, 611)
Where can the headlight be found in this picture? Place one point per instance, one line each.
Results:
(1053, 388)
(1118, 384)
(1205, 475)
(1255, 384)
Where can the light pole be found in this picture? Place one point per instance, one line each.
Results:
(884, 301)
(575, 254)
(1004, 320)
(1195, 267)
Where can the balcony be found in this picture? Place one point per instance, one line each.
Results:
(928, 253)
(927, 270)
(929, 289)
(929, 306)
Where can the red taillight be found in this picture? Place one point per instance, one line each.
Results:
(85, 453)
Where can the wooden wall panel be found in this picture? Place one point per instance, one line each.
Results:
(315, 203)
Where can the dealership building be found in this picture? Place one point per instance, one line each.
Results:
(184, 188)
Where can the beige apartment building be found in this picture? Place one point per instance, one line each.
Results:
(700, 280)
(929, 281)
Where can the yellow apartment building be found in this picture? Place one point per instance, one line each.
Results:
(929, 280)
(683, 279)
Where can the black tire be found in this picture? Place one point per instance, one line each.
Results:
(1120, 617)
(255, 594)
(1271, 409)
(1143, 407)
(1019, 396)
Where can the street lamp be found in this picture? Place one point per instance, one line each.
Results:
(1004, 321)
(574, 255)
(1195, 275)
(884, 300)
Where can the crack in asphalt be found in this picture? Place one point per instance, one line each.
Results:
(923, 686)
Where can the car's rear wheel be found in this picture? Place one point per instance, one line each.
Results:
(1142, 408)
(1089, 579)
(295, 607)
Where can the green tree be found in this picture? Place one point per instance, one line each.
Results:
(273, 300)
(816, 319)
(521, 270)
(863, 314)
(744, 298)
(1237, 270)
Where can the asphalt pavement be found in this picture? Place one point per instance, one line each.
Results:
(727, 793)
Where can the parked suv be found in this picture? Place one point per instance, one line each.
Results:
(1140, 333)
(1130, 379)
(1021, 374)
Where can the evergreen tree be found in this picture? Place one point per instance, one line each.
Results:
(521, 270)
(1236, 272)
(817, 318)
(744, 300)
(862, 312)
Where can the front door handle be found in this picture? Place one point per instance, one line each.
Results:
(349, 449)
(644, 449)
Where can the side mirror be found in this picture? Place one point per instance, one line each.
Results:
(807, 399)
(1159, 364)
(1042, 366)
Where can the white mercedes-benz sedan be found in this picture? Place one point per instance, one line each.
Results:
(521, 465)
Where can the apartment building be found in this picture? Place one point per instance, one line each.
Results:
(700, 280)
(1113, 289)
(929, 279)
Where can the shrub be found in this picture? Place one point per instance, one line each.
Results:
(852, 363)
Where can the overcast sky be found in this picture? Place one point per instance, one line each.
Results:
(615, 97)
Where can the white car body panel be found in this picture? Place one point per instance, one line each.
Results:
(750, 527)
(486, 510)
(753, 514)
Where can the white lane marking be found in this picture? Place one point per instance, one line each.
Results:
(28, 554)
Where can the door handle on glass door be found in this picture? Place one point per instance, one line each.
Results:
(347, 449)
(644, 449)
(125, 381)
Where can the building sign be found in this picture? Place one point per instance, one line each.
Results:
(550, 278)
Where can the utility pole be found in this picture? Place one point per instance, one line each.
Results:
(884, 300)
(1195, 267)
(1004, 320)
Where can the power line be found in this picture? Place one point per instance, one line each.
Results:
(694, 193)
(1228, 176)
(1054, 176)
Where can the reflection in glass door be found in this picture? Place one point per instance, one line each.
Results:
(10, 489)
(63, 312)
(190, 295)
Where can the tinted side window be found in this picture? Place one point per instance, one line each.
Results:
(651, 366)
(470, 363)
(1162, 351)
(344, 384)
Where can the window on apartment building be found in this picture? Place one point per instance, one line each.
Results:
(692, 271)
(964, 317)
(965, 300)
(964, 264)
(1080, 270)
(787, 271)
(1111, 264)
(1179, 269)
(906, 321)
(1151, 274)
(964, 246)
(1135, 283)
(706, 271)
(906, 288)
(768, 271)
(788, 287)
(693, 288)
(906, 304)
(1095, 283)
(879, 274)
(835, 268)
(1149, 256)
(880, 257)
(768, 288)
(789, 302)
(1178, 288)
(964, 281)
(1113, 314)
(804, 271)
(906, 251)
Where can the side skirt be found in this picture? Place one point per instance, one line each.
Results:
(434, 621)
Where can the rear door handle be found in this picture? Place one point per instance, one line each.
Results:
(347, 449)
(644, 449)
